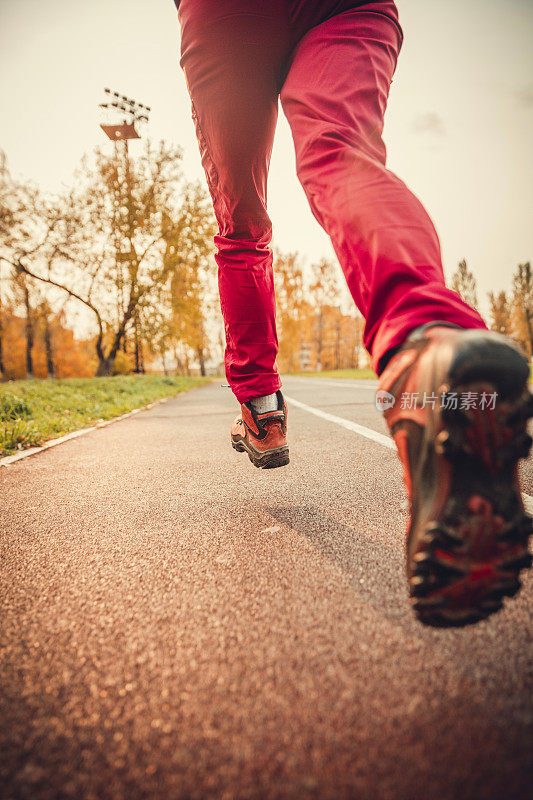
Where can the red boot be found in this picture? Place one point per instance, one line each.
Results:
(457, 404)
(262, 436)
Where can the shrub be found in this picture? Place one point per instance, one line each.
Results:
(123, 364)
(13, 407)
(17, 434)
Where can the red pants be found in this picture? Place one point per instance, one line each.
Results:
(332, 68)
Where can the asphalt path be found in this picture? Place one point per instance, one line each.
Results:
(176, 624)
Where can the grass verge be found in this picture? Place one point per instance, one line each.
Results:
(31, 412)
(337, 373)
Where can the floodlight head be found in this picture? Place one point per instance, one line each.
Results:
(132, 110)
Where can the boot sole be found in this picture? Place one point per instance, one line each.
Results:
(469, 558)
(270, 459)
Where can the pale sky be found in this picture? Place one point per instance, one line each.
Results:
(459, 126)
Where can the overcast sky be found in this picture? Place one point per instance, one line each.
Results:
(459, 126)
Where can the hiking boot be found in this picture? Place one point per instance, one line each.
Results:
(262, 436)
(457, 403)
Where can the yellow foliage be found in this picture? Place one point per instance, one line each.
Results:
(123, 363)
(72, 358)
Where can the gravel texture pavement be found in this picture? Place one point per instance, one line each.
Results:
(176, 624)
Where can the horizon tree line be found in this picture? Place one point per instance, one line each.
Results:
(129, 248)
(511, 312)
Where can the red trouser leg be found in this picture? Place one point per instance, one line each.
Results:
(230, 54)
(335, 97)
(233, 54)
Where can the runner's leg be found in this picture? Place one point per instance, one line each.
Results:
(229, 55)
(335, 96)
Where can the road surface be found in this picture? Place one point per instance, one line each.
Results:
(177, 624)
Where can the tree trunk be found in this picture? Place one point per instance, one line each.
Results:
(179, 365)
(117, 341)
(338, 345)
(105, 367)
(137, 350)
(319, 343)
(48, 348)
(358, 342)
(29, 332)
(2, 367)
(201, 359)
(115, 348)
(139, 357)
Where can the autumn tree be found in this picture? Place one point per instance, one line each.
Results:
(347, 339)
(500, 313)
(22, 286)
(324, 293)
(45, 319)
(522, 306)
(6, 312)
(2, 329)
(104, 243)
(185, 313)
(464, 283)
(8, 207)
(159, 333)
(293, 310)
(27, 220)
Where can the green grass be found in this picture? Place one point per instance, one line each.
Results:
(31, 412)
(338, 373)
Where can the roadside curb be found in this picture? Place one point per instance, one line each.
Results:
(31, 451)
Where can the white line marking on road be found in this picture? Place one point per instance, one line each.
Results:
(368, 433)
(344, 383)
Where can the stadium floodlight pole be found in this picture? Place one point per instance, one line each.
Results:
(133, 113)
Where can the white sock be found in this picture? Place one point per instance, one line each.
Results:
(268, 402)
